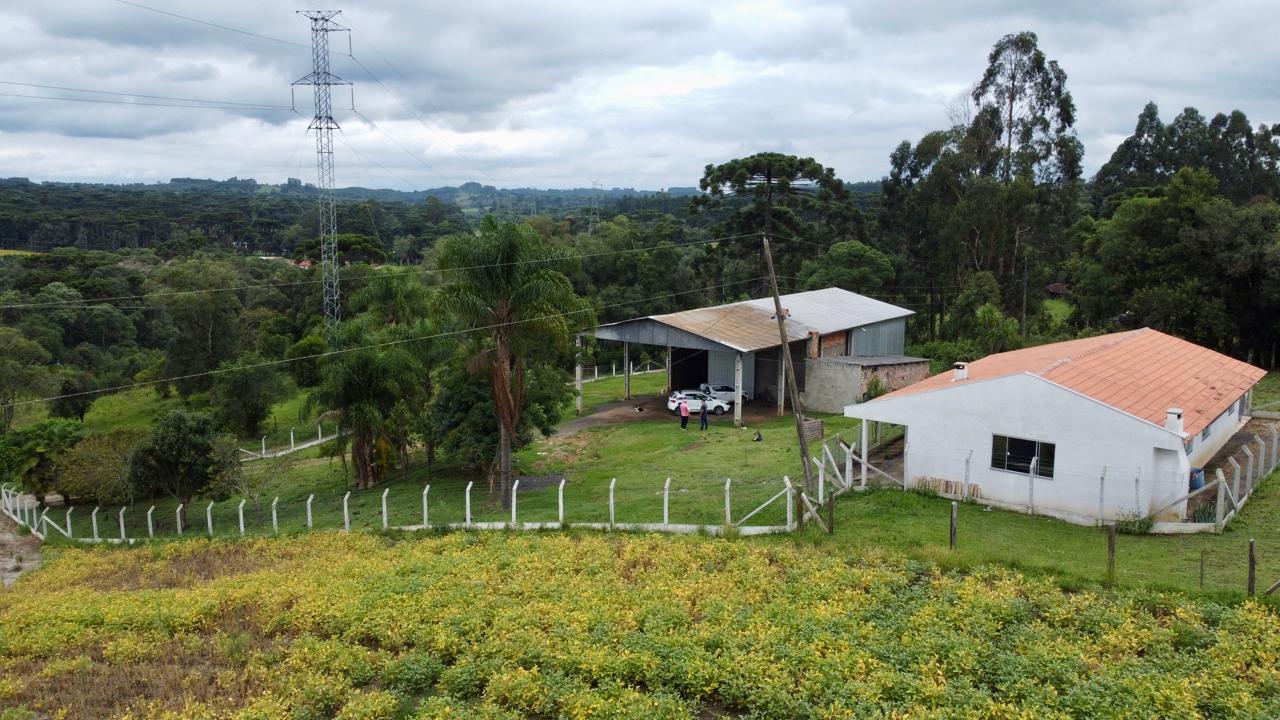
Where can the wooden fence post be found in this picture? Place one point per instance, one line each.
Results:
(560, 502)
(426, 520)
(240, 512)
(384, 507)
(94, 518)
(468, 503)
(178, 517)
(275, 520)
(1111, 554)
(309, 499)
(666, 495)
(954, 510)
(1252, 586)
(208, 516)
(728, 519)
(151, 533)
(346, 515)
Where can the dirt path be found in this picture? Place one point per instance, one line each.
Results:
(19, 552)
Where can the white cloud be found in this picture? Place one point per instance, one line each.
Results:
(562, 93)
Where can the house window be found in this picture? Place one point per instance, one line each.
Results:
(1204, 434)
(1015, 455)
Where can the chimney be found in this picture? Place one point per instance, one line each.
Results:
(1173, 421)
(961, 373)
(815, 347)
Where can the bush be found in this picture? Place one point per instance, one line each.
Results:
(97, 467)
(1134, 524)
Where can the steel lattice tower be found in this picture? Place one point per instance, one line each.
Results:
(323, 124)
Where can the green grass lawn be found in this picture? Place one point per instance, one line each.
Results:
(1268, 392)
(1059, 310)
(609, 389)
(641, 454)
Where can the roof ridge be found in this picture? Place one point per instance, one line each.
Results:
(1102, 347)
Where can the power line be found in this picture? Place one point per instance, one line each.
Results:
(387, 343)
(145, 104)
(370, 276)
(213, 24)
(234, 103)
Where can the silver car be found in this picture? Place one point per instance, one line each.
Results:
(723, 392)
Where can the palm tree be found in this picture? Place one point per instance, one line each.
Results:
(361, 386)
(507, 283)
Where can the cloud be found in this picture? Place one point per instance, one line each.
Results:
(561, 93)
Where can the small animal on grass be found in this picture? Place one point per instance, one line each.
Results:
(758, 437)
(639, 408)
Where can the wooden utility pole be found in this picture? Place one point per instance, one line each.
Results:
(796, 407)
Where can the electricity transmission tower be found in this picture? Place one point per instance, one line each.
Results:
(323, 124)
(593, 213)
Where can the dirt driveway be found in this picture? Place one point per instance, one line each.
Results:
(19, 551)
(648, 408)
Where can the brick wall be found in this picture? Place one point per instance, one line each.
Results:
(835, 344)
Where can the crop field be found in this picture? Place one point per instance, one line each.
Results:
(593, 626)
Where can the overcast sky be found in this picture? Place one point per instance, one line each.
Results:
(558, 94)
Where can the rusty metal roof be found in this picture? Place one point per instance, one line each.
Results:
(750, 325)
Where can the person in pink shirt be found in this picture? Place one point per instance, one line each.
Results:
(684, 414)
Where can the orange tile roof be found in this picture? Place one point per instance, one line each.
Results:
(1141, 372)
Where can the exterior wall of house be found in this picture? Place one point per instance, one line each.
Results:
(949, 426)
(1204, 445)
(895, 376)
(883, 338)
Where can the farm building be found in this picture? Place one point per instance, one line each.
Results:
(838, 342)
(1088, 430)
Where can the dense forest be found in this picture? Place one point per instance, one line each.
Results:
(460, 304)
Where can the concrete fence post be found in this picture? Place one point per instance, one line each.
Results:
(822, 479)
(1031, 485)
(1262, 457)
(151, 531)
(240, 514)
(178, 518)
(728, 511)
(123, 537)
(560, 502)
(426, 509)
(94, 518)
(515, 488)
(666, 502)
(309, 499)
(1235, 483)
(954, 514)
(468, 503)
(264, 446)
(1220, 510)
(44, 522)
(1275, 447)
(1137, 494)
(964, 490)
(848, 464)
(275, 519)
(612, 483)
(384, 507)
(791, 503)
(1102, 494)
(208, 515)
(346, 512)
(1248, 473)
(69, 520)
(319, 432)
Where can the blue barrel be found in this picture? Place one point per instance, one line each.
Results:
(1197, 478)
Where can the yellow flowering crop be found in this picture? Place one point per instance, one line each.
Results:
(586, 627)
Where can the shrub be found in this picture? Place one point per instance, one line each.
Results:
(1134, 524)
(97, 467)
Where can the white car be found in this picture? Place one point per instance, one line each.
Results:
(723, 392)
(695, 400)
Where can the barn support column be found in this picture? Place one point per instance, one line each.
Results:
(577, 379)
(626, 370)
(782, 382)
(737, 390)
(669, 388)
(866, 453)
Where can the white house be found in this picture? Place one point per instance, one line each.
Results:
(1083, 430)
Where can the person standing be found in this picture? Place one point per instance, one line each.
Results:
(702, 416)
(684, 413)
